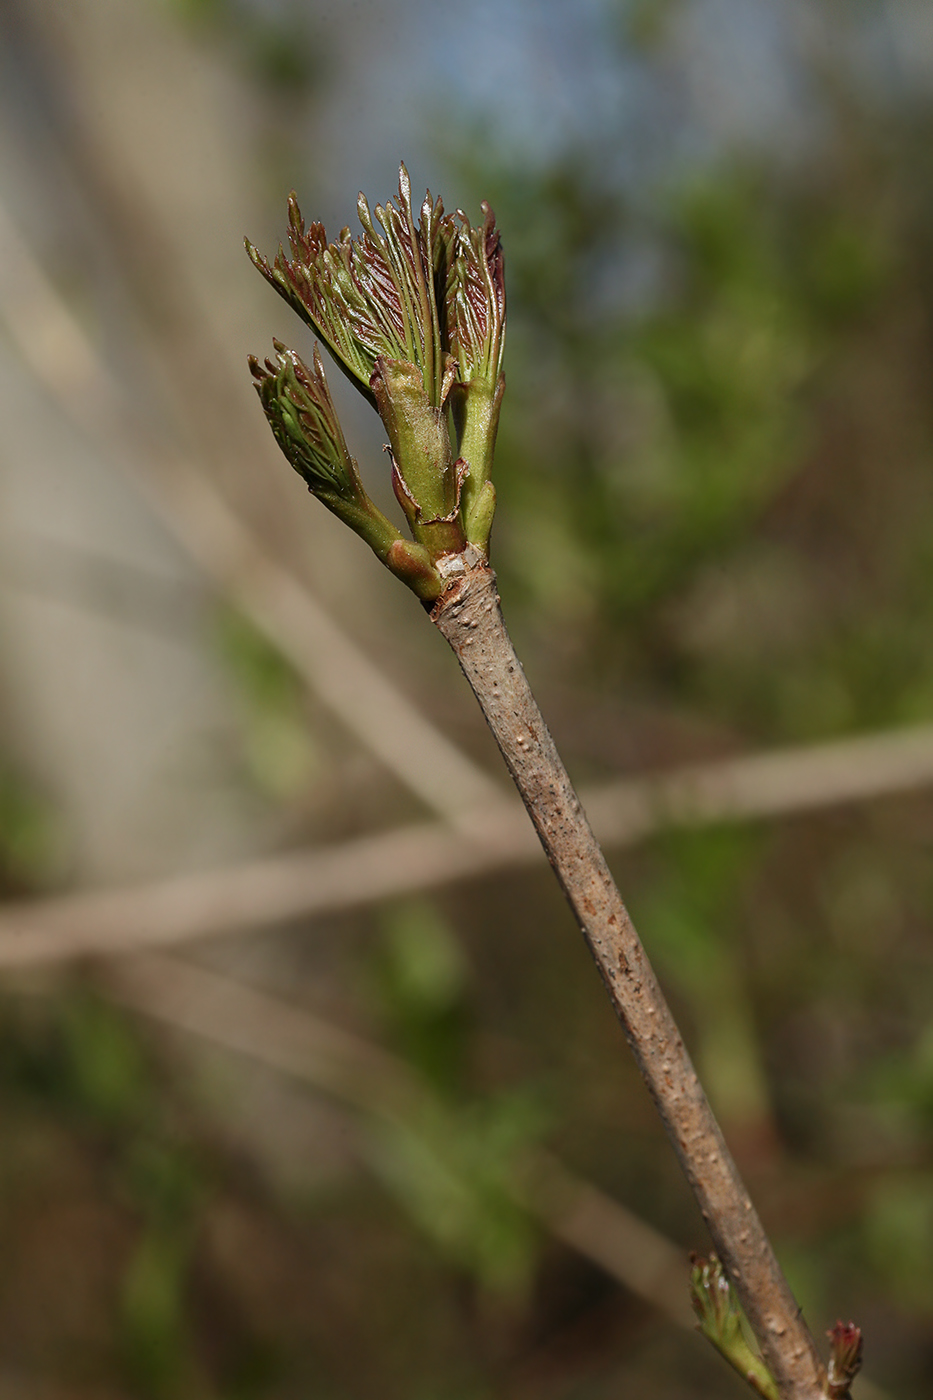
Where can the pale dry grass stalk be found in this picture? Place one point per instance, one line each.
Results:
(362, 1076)
(423, 856)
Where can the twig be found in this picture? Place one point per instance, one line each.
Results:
(468, 616)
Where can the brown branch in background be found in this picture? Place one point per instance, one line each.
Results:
(468, 616)
(428, 855)
(356, 691)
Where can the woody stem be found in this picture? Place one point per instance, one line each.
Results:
(468, 615)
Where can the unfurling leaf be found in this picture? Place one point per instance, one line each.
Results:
(413, 310)
(296, 400)
(367, 297)
(301, 413)
(722, 1321)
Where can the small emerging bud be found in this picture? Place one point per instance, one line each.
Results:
(722, 1322)
(712, 1299)
(845, 1360)
(297, 403)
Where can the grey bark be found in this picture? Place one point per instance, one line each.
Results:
(468, 615)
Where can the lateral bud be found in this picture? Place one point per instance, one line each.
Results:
(412, 564)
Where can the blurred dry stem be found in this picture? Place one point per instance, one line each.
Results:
(468, 616)
(427, 855)
(367, 1078)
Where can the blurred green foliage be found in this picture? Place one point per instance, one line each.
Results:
(692, 917)
(75, 1062)
(689, 372)
(276, 740)
(275, 44)
(29, 838)
(457, 1167)
(457, 1172)
(422, 983)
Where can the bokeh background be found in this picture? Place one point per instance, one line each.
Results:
(303, 1096)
